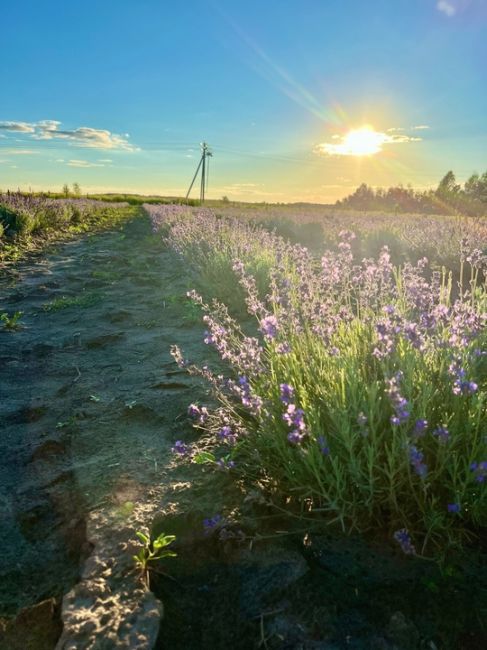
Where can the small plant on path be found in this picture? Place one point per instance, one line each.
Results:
(152, 552)
(11, 323)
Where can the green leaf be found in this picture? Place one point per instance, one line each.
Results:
(204, 457)
(143, 538)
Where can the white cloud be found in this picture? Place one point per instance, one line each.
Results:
(105, 160)
(420, 127)
(84, 164)
(82, 136)
(447, 7)
(19, 127)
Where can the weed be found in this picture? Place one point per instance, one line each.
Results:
(83, 301)
(11, 323)
(152, 551)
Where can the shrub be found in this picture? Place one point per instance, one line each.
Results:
(364, 398)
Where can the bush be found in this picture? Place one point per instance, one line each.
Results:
(364, 400)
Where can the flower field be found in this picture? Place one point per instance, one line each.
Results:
(26, 220)
(354, 389)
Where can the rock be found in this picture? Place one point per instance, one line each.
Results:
(34, 628)
(48, 449)
(266, 571)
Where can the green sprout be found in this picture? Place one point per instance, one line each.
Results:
(11, 323)
(152, 552)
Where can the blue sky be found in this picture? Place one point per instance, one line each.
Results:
(117, 95)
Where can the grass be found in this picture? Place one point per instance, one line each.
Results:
(11, 323)
(80, 302)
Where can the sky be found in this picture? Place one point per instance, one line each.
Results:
(299, 100)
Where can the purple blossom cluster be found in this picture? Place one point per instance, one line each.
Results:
(198, 413)
(210, 524)
(341, 326)
(180, 448)
(442, 433)
(403, 538)
(293, 416)
(398, 402)
(461, 385)
(479, 470)
(227, 434)
(416, 458)
(420, 427)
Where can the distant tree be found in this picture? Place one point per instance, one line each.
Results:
(76, 189)
(66, 190)
(448, 185)
(225, 199)
(476, 187)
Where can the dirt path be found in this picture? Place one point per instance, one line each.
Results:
(91, 399)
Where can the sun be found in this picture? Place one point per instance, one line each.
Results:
(362, 142)
(365, 141)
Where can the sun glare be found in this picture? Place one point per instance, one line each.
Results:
(363, 142)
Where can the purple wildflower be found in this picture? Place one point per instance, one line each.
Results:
(399, 403)
(180, 448)
(287, 393)
(227, 435)
(420, 427)
(294, 417)
(416, 458)
(453, 507)
(283, 348)
(480, 471)
(193, 411)
(295, 437)
(224, 463)
(269, 326)
(442, 433)
(323, 445)
(211, 523)
(403, 538)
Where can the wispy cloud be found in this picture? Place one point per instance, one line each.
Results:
(362, 142)
(420, 127)
(18, 127)
(20, 152)
(447, 7)
(83, 136)
(84, 164)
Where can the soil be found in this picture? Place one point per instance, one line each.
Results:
(91, 400)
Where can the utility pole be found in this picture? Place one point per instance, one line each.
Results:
(205, 153)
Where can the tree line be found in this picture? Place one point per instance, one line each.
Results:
(449, 197)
